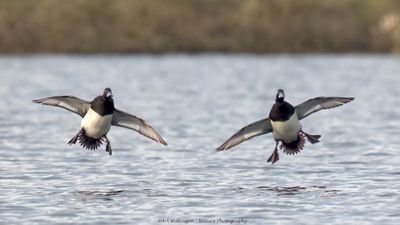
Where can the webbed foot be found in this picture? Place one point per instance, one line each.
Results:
(312, 138)
(108, 146)
(274, 156)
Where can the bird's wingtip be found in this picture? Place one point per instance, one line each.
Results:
(162, 142)
(348, 99)
(220, 148)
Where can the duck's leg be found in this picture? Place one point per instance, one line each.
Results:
(108, 146)
(75, 138)
(274, 156)
(312, 138)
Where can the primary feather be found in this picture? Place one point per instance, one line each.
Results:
(123, 119)
(70, 103)
(316, 104)
(252, 130)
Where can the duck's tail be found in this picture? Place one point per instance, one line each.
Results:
(293, 147)
(87, 142)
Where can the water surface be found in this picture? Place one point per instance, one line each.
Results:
(196, 102)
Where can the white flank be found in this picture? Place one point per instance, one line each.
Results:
(286, 131)
(95, 125)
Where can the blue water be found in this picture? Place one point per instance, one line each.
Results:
(196, 102)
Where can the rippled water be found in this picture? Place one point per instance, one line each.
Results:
(196, 102)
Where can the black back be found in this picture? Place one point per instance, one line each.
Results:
(103, 105)
(281, 111)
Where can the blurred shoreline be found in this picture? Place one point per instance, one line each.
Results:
(198, 54)
(199, 26)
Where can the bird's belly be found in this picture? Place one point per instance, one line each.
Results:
(286, 131)
(96, 126)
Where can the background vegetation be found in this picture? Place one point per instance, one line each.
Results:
(260, 26)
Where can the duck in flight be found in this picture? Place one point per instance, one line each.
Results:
(284, 123)
(97, 118)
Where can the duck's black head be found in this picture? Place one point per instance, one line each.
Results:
(103, 104)
(280, 96)
(107, 93)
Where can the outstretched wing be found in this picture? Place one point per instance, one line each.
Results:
(252, 130)
(314, 105)
(70, 103)
(123, 119)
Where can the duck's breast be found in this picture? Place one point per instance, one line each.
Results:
(96, 125)
(288, 130)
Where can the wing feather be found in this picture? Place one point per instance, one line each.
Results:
(316, 104)
(252, 130)
(123, 119)
(70, 103)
